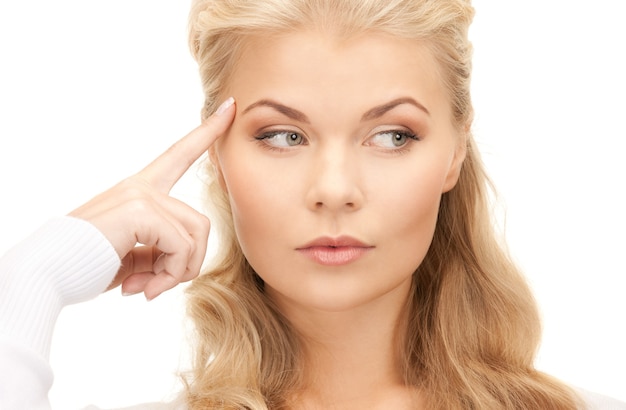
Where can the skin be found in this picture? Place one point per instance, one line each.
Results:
(172, 236)
(344, 101)
(342, 175)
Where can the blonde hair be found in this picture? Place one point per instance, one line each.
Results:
(473, 326)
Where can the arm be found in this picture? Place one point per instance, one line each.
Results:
(75, 258)
(66, 261)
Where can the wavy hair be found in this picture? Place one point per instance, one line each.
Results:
(473, 326)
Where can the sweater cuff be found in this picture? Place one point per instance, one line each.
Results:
(66, 261)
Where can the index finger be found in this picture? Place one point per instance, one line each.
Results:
(166, 170)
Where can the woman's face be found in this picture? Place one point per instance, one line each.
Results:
(335, 165)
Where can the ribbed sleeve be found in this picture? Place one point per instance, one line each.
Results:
(66, 261)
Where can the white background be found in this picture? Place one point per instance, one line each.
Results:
(91, 91)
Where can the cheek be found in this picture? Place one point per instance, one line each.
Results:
(409, 215)
(259, 201)
(405, 206)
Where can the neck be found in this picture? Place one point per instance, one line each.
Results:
(352, 358)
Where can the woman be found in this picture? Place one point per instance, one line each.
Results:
(329, 278)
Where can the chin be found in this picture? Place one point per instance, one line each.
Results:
(338, 299)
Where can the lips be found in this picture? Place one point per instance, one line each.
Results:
(335, 251)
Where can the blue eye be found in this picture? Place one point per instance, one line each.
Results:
(392, 139)
(282, 139)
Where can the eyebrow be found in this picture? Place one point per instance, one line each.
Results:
(381, 110)
(371, 114)
(281, 108)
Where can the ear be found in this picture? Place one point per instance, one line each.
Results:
(460, 153)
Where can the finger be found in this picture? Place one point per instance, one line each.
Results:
(140, 259)
(136, 283)
(167, 274)
(177, 238)
(196, 226)
(164, 171)
(160, 230)
(159, 284)
(191, 225)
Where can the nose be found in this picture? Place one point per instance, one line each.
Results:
(334, 181)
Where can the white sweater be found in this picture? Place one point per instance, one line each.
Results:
(68, 261)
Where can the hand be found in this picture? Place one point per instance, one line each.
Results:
(172, 236)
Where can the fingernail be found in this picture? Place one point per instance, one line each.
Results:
(225, 105)
(126, 293)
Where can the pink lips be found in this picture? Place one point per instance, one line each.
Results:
(334, 251)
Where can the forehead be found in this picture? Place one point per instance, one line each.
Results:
(317, 70)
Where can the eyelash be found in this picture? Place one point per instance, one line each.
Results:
(411, 137)
(264, 137)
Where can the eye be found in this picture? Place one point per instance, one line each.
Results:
(282, 139)
(392, 139)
